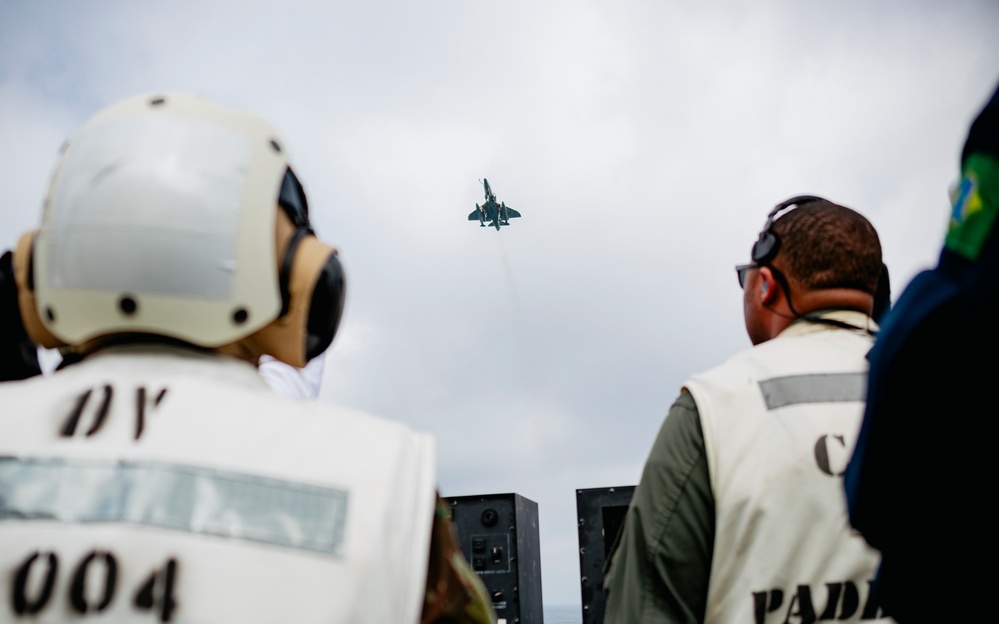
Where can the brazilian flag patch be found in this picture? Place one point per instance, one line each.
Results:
(975, 201)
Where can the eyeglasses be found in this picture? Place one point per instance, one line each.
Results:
(741, 270)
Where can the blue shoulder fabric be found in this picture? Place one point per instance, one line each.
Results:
(927, 292)
(923, 463)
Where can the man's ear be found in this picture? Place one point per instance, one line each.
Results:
(768, 286)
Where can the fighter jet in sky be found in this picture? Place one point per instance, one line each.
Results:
(496, 214)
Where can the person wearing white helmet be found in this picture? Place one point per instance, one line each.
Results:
(159, 478)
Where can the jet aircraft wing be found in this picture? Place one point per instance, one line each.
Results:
(492, 212)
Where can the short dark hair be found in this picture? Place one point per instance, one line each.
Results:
(825, 245)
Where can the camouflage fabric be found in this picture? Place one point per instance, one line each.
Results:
(455, 594)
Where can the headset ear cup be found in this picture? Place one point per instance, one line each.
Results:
(765, 249)
(24, 276)
(882, 296)
(325, 307)
(290, 338)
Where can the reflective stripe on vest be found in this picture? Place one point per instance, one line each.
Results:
(819, 388)
(180, 497)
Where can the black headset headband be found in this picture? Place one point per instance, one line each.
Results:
(292, 199)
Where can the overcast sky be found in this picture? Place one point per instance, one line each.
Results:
(644, 143)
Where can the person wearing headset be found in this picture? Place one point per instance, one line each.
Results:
(20, 358)
(159, 478)
(739, 515)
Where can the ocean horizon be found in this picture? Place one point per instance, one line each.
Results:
(562, 614)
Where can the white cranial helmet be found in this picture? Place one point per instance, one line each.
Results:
(160, 219)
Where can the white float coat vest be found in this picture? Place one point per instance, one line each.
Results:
(168, 485)
(780, 421)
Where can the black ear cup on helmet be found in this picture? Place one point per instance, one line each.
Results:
(325, 308)
(327, 286)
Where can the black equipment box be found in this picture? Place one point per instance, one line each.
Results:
(499, 536)
(600, 512)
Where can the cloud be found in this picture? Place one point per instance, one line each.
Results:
(643, 142)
